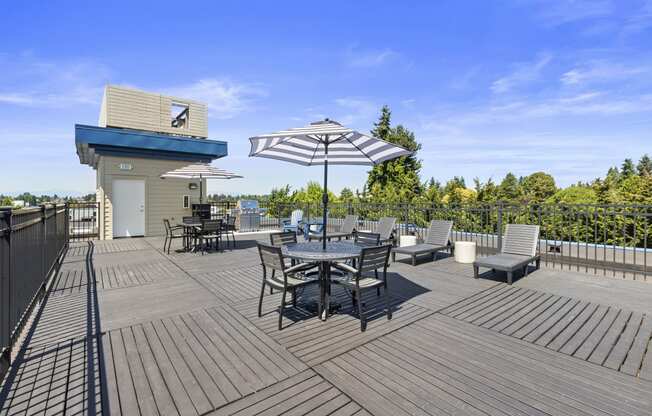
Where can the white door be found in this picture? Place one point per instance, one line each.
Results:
(128, 208)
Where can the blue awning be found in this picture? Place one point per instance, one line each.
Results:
(93, 142)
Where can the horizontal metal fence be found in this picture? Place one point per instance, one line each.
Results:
(83, 220)
(610, 240)
(32, 241)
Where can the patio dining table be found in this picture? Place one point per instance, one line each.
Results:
(314, 252)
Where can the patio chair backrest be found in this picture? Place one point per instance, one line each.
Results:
(439, 233)
(386, 227)
(271, 257)
(166, 223)
(296, 217)
(367, 239)
(374, 258)
(281, 239)
(211, 226)
(349, 224)
(521, 239)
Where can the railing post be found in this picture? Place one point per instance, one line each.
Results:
(5, 290)
(499, 225)
(44, 238)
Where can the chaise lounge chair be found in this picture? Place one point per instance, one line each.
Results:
(438, 239)
(519, 250)
(386, 226)
(346, 230)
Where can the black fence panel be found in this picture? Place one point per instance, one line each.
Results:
(83, 220)
(32, 241)
(601, 239)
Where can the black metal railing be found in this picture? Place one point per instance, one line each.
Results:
(602, 239)
(83, 220)
(32, 241)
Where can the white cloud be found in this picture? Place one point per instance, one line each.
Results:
(358, 110)
(370, 58)
(524, 73)
(225, 99)
(558, 12)
(39, 83)
(601, 71)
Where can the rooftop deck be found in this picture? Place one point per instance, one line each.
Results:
(129, 330)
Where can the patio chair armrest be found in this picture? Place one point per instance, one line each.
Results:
(345, 268)
(301, 267)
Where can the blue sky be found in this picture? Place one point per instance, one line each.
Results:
(487, 86)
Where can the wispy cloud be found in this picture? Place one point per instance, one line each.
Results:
(602, 71)
(40, 83)
(559, 12)
(357, 110)
(225, 98)
(523, 73)
(358, 58)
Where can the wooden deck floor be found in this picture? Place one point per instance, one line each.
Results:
(128, 330)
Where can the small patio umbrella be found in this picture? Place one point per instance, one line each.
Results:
(325, 143)
(200, 171)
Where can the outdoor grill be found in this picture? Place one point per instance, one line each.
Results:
(247, 215)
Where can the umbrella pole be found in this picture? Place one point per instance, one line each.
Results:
(325, 196)
(201, 198)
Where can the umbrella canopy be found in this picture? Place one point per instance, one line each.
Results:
(325, 143)
(200, 171)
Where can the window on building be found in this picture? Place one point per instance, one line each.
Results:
(179, 112)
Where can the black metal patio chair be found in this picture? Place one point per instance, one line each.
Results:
(371, 259)
(272, 260)
(209, 232)
(171, 233)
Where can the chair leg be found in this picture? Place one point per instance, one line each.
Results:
(280, 312)
(363, 323)
(389, 309)
(271, 289)
(475, 272)
(393, 257)
(165, 243)
(260, 302)
(538, 263)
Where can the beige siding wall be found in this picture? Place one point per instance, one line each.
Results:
(163, 197)
(129, 108)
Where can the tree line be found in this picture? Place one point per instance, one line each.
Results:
(399, 181)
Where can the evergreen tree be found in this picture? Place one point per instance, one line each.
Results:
(395, 180)
(627, 169)
(644, 167)
(509, 189)
(486, 192)
(346, 195)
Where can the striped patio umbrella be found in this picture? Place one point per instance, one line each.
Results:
(200, 171)
(325, 143)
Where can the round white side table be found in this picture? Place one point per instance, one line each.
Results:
(408, 240)
(465, 251)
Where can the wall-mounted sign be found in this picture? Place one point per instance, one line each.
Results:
(125, 166)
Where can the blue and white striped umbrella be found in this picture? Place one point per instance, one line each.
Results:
(200, 171)
(307, 146)
(324, 143)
